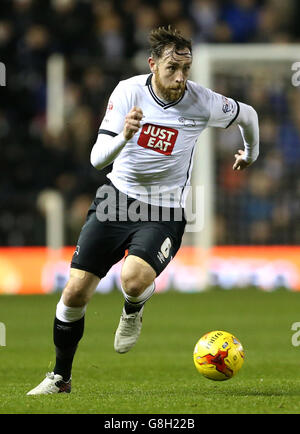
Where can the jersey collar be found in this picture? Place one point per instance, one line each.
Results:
(163, 104)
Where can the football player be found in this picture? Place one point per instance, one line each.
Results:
(149, 133)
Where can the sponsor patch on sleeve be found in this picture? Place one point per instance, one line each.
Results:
(227, 105)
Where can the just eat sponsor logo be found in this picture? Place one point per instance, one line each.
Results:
(158, 138)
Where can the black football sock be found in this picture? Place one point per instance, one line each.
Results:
(66, 336)
(132, 307)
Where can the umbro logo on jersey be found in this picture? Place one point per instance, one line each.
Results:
(164, 252)
(158, 138)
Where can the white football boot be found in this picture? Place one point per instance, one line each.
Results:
(53, 383)
(128, 331)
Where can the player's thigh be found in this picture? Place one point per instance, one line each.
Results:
(80, 288)
(157, 243)
(100, 245)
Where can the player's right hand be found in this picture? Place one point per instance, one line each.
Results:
(132, 122)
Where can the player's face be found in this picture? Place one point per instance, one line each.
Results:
(170, 74)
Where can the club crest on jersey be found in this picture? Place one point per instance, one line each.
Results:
(187, 122)
(158, 138)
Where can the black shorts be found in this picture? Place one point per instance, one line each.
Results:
(102, 244)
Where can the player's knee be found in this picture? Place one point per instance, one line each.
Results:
(75, 296)
(131, 286)
(79, 288)
(136, 276)
(134, 284)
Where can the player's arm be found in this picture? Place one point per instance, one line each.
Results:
(223, 112)
(107, 148)
(247, 121)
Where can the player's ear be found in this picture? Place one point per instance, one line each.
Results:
(152, 64)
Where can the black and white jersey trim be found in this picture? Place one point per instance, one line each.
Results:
(188, 174)
(236, 115)
(158, 100)
(110, 133)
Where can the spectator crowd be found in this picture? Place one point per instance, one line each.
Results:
(101, 41)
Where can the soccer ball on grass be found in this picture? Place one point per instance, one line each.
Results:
(218, 355)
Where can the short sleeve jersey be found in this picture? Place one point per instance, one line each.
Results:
(155, 165)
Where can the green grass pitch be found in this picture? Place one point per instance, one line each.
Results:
(158, 375)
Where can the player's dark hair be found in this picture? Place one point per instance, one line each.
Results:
(162, 37)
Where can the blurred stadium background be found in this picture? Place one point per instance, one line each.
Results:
(255, 225)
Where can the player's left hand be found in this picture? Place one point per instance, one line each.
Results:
(240, 163)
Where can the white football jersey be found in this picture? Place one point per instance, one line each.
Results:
(155, 165)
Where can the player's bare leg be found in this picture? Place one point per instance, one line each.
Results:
(68, 330)
(138, 286)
